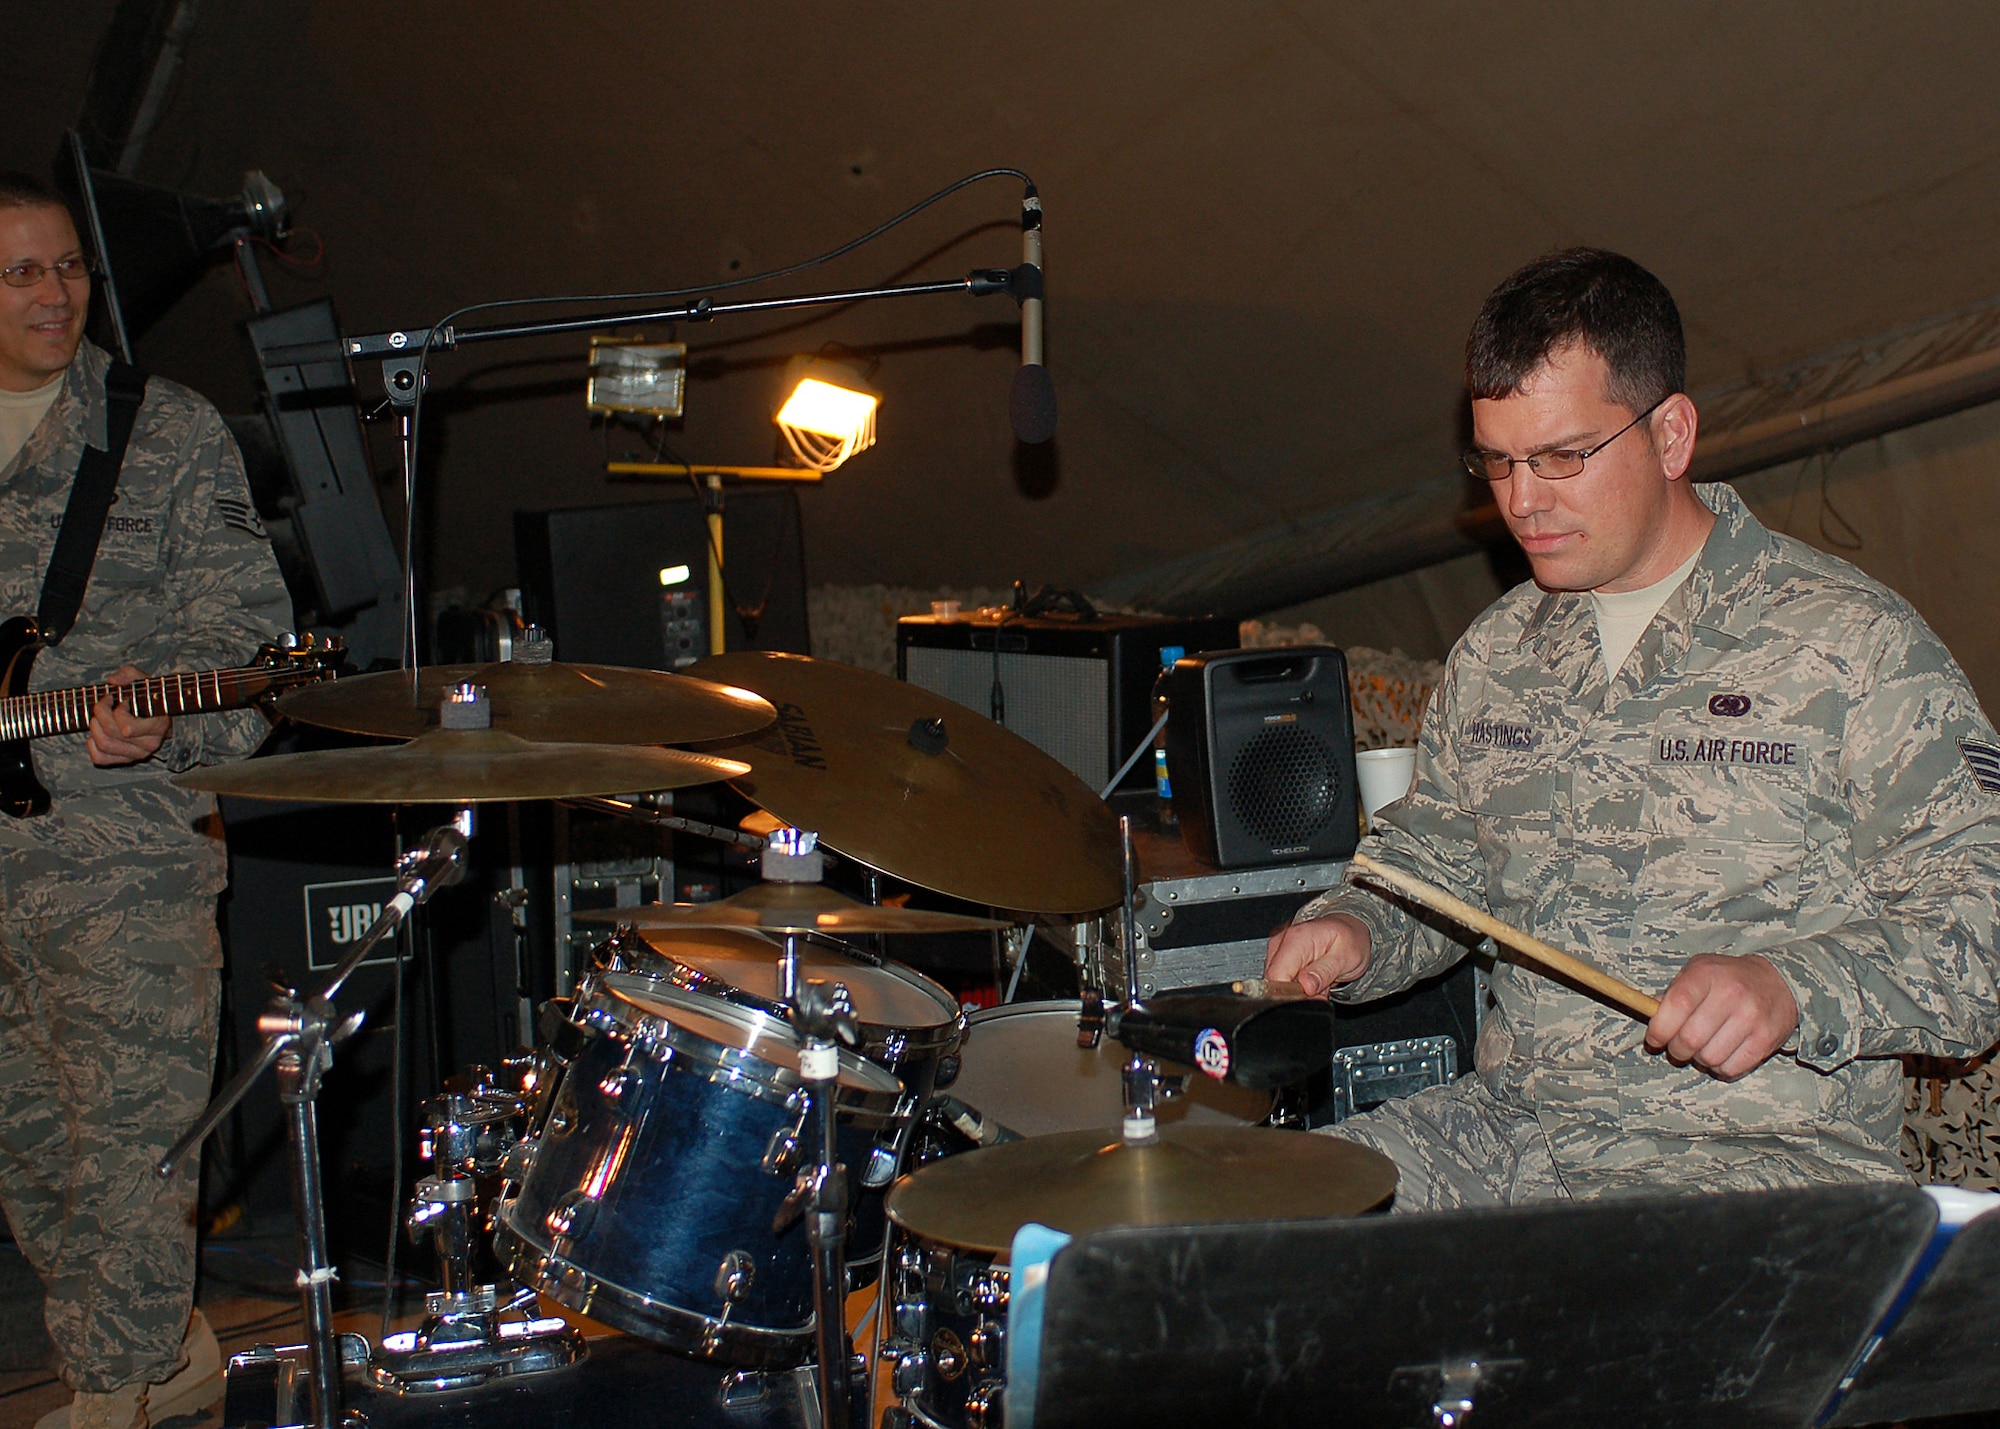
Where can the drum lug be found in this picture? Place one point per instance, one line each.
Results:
(908, 1376)
(782, 1155)
(744, 1386)
(985, 1407)
(912, 1318)
(881, 1167)
(988, 1344)
(571, 1217)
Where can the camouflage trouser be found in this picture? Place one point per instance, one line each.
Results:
(107, 1038)
(1455, 1146)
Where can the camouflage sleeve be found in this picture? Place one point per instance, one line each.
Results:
(1429, 835)
(1915, 968)
(224, 592)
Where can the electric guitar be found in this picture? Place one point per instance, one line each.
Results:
(25, 717)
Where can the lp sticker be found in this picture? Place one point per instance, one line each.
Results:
(1211, 1053)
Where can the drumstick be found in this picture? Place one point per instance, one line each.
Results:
(1555, 959)
(1267, 987)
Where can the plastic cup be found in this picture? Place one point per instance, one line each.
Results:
(1385, 776)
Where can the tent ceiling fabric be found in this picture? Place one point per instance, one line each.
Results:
(1267, 225)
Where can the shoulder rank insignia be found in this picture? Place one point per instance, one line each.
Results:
(1983, 760)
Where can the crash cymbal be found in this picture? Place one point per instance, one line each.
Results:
(961, 806)
(461, 766)
(1079, 1181)
(583, 704)
(790, 908)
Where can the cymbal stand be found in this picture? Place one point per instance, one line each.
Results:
(300, 1034)
(1141, 1072)
(823, 1015)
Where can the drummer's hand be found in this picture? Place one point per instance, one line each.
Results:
(1724, 1014)
(117, 736)
(1318, 953)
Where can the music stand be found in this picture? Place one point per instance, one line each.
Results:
(1939, 1358)
(1724, 1309)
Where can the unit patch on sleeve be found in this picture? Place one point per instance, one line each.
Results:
(1983, 760)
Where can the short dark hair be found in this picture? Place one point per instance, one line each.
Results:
(1600, 300)
(24, 190)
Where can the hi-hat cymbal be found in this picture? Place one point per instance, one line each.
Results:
(583, 704)
(921, 787)
(790, 908)
(1079, 1181)
(461, 766)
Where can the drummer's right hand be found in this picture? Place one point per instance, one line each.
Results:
(1319, 953)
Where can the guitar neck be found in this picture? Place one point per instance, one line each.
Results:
(68, 711)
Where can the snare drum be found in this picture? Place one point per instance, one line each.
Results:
(670, 1142)
(1021, 1067)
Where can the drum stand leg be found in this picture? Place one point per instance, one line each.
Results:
(823, 1013)
(299, 1037)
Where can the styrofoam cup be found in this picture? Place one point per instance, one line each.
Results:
(1385, 776)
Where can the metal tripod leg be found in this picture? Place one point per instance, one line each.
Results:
(298, 1086)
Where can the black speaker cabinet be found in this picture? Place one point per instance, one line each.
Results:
(628, 584)
(1260, 746)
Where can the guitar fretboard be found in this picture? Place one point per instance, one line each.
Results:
(68, 711)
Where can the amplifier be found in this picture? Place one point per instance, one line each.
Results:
(628, 585)
(1261, 745)
(1079, 690)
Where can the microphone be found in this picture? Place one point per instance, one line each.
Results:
(1031, 406)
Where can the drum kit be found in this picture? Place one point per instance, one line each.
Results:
(741, 1115)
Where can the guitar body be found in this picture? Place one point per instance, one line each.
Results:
(21, 793)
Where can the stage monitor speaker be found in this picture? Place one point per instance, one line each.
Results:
(628, 585)
(1261, 748)
(1081, 691)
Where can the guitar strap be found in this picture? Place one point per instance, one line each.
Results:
(90, 497)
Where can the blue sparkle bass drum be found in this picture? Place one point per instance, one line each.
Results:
(667, 1149)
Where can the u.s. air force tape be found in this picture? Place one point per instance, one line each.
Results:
(1983, 760)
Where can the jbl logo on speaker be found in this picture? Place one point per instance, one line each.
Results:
(1261, 743)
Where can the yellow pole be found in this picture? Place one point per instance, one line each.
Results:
(718, 607)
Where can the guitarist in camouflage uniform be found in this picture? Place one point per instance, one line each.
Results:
(109, 954)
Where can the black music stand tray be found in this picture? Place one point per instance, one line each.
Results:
(1693, 1310)
(1943, 1356)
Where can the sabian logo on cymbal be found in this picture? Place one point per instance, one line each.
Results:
(800, 742)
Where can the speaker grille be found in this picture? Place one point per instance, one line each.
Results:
(1283, 785)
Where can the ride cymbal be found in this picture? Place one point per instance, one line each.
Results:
(461, 766)
(1080, 1181)
(581, 704)
(790, 908)
(921, 787)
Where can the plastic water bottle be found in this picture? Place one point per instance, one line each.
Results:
(1163, 785)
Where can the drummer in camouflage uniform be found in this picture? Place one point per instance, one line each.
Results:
(109, 954)
(1708, 759)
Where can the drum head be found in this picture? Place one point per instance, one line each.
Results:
(883, 995)
(728, 1026)
(1020, 1066)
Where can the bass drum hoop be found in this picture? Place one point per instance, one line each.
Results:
(688, 1331)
